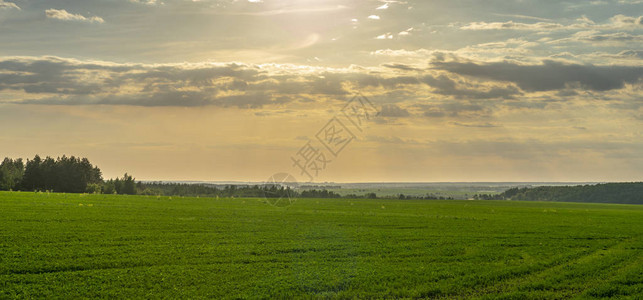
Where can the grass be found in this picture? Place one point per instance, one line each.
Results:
(416, 192)
(87, 246)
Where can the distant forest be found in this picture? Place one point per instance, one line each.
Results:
(77, 175)
(624, 193)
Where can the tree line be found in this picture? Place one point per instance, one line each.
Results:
(70, 174)
(66, 174)
(623, 193)
(267, 190)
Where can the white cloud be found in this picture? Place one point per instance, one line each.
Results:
(61, 14)
(617, 22)
(8, 5)
(406, 32)
(420, 53)
(625, 21)
(374, 17)
(385, 6)
(595, 36)
(384, 36)
(523, 17)
(146, 2)
(511, 25)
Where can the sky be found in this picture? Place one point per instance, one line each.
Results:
(327, 90)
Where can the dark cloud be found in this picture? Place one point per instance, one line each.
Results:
(387, 140)
(69, 82)
(455, 109)
(368, 80)
(328, 84)
(523, 104)
(475, 125)
(446, 86)
(402, 67)
(594, 37)
(606, 37)
(631, 53)
(53, 80)
(550, 75)
(65, 81)
(393, 111)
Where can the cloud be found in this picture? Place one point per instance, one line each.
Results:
(446, 86)
(549, 75)
(511, 25)
(61, 14)
(374, 17)
(393, 111)
(384, 36)
(420, 53)
(474, 125)
(617, 22)
(594, 36)
(468, 88)
(456, 108)
(511, 48)
(622, 21)
(631, 54)
(523, 17)
(406, 32)
(389, 140)
(54, 80)
(399, 66)
(8, 5)
(147, 2)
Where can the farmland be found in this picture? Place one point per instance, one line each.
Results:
(79, 245)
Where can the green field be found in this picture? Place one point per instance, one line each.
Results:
(416, 192)
(71, 245)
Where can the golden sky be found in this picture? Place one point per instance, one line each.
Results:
(227, 90)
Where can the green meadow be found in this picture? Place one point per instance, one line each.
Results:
(109, 246)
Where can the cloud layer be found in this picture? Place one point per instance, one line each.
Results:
(63, 15)
(54, 80)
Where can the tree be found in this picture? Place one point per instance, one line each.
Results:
(94, 188)
(109, 187)
(65, 174)
(33, 179)
(48, 171)
(11, 173)
(128, 186)
(123, 186)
